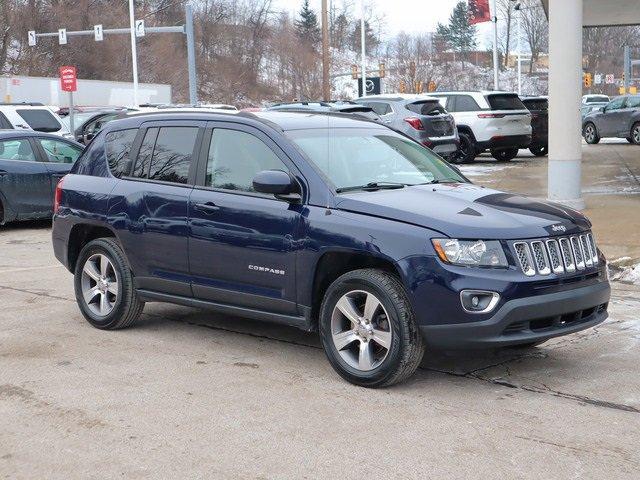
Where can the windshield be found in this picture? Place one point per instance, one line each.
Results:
(40, 120)
(352, 157)
(597, 99)
(78, 119)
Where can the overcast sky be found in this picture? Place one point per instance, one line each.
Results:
(411, 16)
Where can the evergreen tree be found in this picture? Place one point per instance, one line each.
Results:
(458, 34)
(371, 42)
(307, 27)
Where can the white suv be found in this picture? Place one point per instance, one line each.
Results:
(31, 116)
(487, 120)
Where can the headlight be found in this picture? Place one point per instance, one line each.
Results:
(477, 253)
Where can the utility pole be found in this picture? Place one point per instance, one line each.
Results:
(134, 53)
(326, 85)
(627, 68)
(518, 9)
(363, 50)
(496, 84)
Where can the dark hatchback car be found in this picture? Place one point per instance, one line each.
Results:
(620, 118)
(31, 163)
(539, 108)
(323, 222)
(337, 106)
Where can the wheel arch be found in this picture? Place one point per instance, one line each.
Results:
(80, 235)
(466, 129)
(333, 264)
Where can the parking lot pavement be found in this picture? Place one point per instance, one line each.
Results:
(188, 394)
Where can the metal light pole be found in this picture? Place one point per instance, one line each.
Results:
(496, 84)
(134, 53)
(518, 8)
(363, 50)
(326, 86)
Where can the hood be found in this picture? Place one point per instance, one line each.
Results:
(464, 210)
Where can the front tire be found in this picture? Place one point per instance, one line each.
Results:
(539, 151)
(368, 329)
(504, 154)
(590, 134)
(104, 286)
(635, 133)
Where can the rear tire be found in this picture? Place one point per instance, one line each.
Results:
(635, 133)
(104, 286)
(590, 134)
(376, 343)
(466, 153)
(504, 154)
(540, 151)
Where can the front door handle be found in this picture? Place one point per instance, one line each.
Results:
(206, 208)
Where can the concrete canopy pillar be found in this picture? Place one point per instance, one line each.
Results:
(565, 94)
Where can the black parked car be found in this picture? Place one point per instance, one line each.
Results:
(619, 118)
(31, 163)
(539, 108)
(88, 123)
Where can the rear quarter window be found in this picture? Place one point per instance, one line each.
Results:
(117, 148)
(426, 108)
(505, 102)
(40, 120)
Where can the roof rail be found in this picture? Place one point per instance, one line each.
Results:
(24, 104)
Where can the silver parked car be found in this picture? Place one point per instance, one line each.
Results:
(420, 117)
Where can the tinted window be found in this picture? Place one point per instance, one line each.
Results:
(465, 103)
(17, 150)
(4, 122)
(59, 152)
(505, 102)
(633, 102)
(235, 158)
(616, 103)
(141, 169)
(426, 108)
(40, 120)
(117, 148)
(172, 154)
(380, 108)
(597, 98)
(537, 104)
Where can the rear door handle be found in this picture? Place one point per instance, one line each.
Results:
(207, 208)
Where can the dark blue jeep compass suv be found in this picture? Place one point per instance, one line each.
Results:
(320, 221)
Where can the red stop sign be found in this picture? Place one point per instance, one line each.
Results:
(68, 79)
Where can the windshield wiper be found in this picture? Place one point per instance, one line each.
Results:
(443, 180)
(372, 186)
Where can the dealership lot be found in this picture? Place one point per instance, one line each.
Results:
(189, 394)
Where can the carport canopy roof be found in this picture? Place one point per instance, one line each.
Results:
(606, 12)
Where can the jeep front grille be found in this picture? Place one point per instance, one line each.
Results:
(558, 256)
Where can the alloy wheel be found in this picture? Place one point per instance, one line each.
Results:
(589, 133)
(635, 135)
(99, 285)
(361, 330)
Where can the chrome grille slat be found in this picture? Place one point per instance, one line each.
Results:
(577, 253)
(556, 255)
(524, 257)
(540, 258)
(567, 255)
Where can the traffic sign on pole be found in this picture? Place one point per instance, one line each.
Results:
(62, 36)
(97, 33)
(609, 79)
(597, 79)
(68, 79)
(140, 28)
(32, 38)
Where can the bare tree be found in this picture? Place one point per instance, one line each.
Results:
(535, 28)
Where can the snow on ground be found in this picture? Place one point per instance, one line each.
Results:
(628, 274)
(481, 169)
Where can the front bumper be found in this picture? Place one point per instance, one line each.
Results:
(527, 320)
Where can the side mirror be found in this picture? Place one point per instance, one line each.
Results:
(278, 183)
(602, 109)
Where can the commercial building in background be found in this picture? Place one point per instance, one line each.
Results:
(90, 92)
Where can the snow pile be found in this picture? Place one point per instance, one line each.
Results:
(621, 270)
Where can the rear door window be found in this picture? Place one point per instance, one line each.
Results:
(380, 108)
(117, 148)
(172, 154)
(505, 102)
(41, 120)
(17, 149)
(4, 122)
(141, 169)
(58, 151)
(430, 107)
